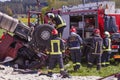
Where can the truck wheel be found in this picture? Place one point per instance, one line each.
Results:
(42, 34)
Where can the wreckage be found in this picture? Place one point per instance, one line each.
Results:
(26, 45)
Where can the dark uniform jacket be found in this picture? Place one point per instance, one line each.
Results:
(56, 46)
(59, 21)
(74, 41)
(98, 43)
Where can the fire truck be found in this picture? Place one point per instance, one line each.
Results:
(86, 17)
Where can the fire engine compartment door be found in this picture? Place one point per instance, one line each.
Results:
(67, 28)
(77, 21)
(84, 23)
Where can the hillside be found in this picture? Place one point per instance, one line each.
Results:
(22, 6)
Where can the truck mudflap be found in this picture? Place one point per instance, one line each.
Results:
(115, 76)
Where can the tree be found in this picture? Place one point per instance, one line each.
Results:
(117, 2)
(44, 9)
(56, 4)
(8, 11)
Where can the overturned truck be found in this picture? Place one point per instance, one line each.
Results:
(24, 45)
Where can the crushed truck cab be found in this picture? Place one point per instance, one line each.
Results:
(27, 44)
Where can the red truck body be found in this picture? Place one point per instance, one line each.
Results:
(7, 46)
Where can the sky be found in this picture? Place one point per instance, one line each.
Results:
(4, 0)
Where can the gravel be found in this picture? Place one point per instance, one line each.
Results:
(9, 74)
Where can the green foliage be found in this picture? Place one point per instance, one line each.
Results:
(59, 3)
(1, 31)
(8, 11)
(117, 2)
(84, 71)
(105, 71)
(45, 9)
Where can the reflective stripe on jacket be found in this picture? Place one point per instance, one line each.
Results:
(55, 49)
(56, 46)
(74, 48)
(74, 41)
(59, 22)
(107, 44)
(98, 43)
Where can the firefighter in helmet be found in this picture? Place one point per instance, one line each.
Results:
(97, 50)
(74, 45)
(58, 21)
(106, 49)
(55, 50)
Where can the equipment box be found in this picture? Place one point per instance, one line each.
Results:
(8, 23)
(22, 31)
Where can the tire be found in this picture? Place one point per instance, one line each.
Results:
(42, 34)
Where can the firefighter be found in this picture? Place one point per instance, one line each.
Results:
(47, 19)
(97, 50)
(106, 49)
(58, 21)
(55, 50)
(74, 45)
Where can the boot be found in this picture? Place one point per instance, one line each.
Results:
(50, 74)
(64, 74)
(103, 64)
(107, 64)
(98, 67)
(76, 68)
(89, 65)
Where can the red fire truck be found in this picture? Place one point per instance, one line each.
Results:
(86, 17)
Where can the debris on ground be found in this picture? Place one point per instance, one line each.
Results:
(8, 73)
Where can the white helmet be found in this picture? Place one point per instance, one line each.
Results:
(51, 15)
(107, 33)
